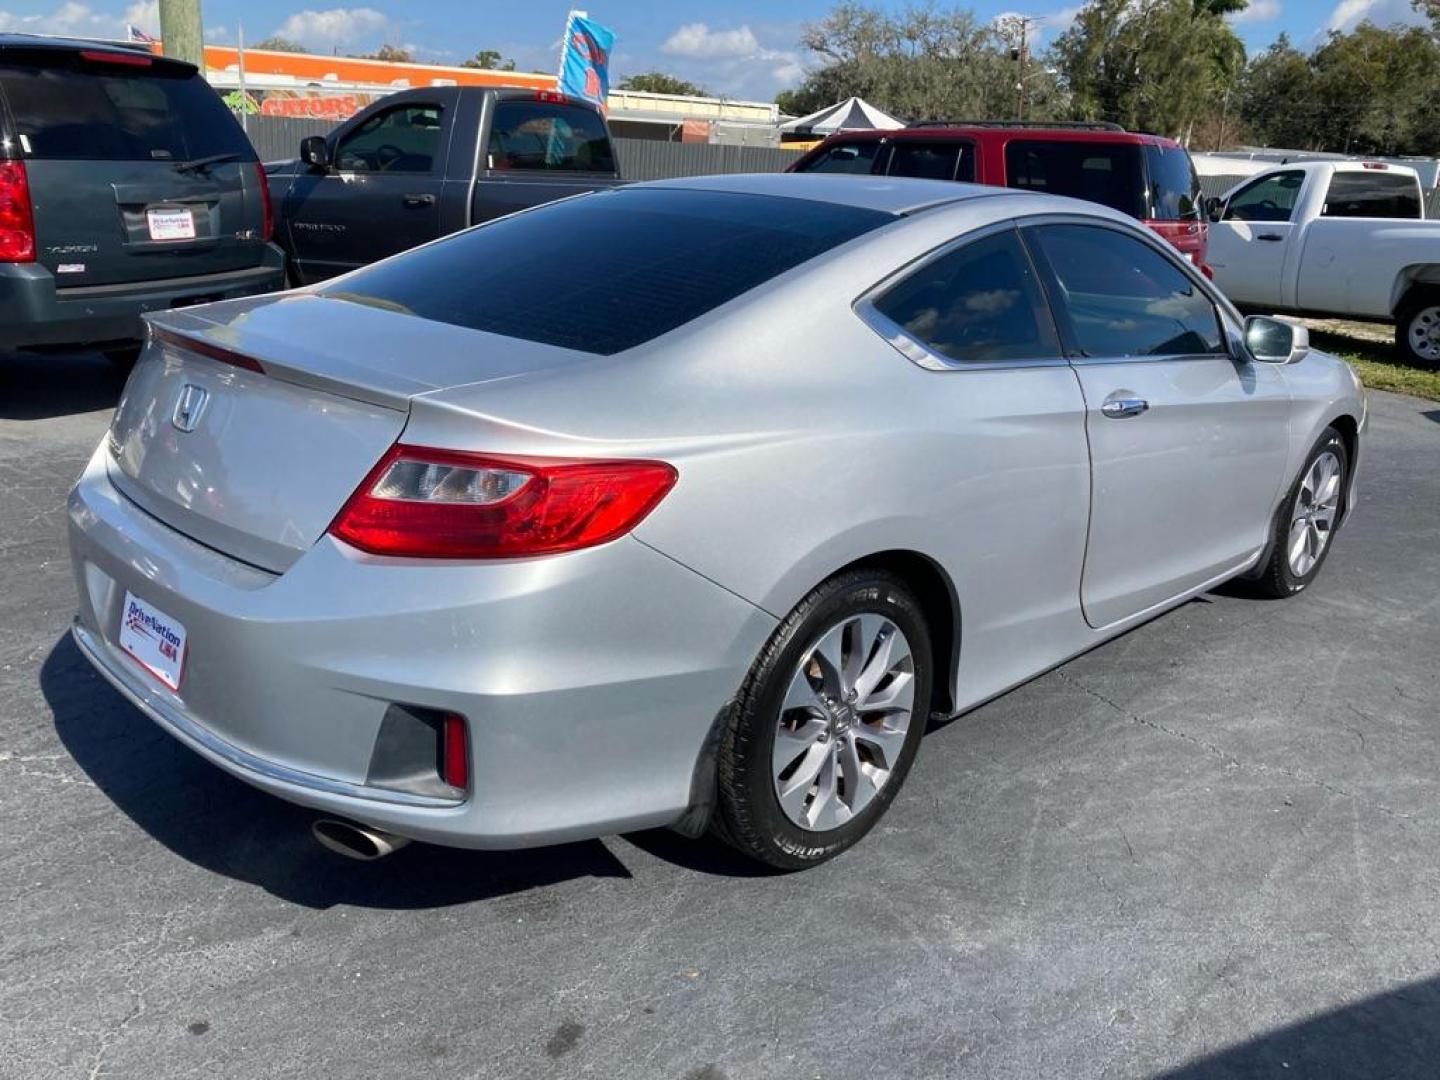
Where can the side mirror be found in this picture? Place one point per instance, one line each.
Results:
(315, 152)
(1214, 207)
(1275, 341)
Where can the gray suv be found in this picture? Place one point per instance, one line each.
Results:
(126, 186)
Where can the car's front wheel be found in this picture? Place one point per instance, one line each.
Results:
(827, 724)
(1307, 519)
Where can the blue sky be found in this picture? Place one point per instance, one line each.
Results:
(741, 48)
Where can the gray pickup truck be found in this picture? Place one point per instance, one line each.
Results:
(419, 164)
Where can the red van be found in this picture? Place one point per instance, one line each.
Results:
(1145, 176)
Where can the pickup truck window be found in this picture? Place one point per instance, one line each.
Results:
(978, 304)
(856, 157)
(1372, 194)
(1108, 174)
(603, 273)
(544, 135)
(405, 139)
(1271, 198)
(933, 160)
(1117, 296)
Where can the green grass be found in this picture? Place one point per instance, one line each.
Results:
(1375, 362)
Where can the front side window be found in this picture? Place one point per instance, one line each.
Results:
(1107, 173)
(1270, 199)
(549, 136)
(933, 160)
(1372, 194)
(1115, 295)
(405, 139)
(979, 304)
(853, 158)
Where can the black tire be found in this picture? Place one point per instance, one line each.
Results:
(124, 357)
(749, 815)
(1419, 304)
(1278, 579)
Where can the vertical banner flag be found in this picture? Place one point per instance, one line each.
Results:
(585, 59)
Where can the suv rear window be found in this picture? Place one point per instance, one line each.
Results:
(65, 107)
(1174, 185)
(1106, 173)
(544, 135)
(1372, 194)
(609, 271)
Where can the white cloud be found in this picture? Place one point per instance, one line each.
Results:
(322, 30)
(1258, 11)
(81, 20)
(733, 63)
(1350, 13)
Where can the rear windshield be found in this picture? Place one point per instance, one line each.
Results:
(1372, 194)
(844, 158)
(66, 107)
(1106, 173)
(606, 272)
(1174, 184)
(544, 135)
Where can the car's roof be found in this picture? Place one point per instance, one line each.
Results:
(42, 43)
(888, 194)
(1004, 132)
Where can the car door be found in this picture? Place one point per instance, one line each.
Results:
(1249, 244)
(1188, 443)
(381, 194)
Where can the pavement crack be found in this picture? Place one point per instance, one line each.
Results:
(26, 763)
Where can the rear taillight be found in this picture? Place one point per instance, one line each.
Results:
(449, 504)
(454, 752)
(17, 219)
(267, 210)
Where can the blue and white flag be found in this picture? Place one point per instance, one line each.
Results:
(585, 59)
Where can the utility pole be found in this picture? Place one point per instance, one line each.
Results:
(1020, 75)
(1016, 29)
(181, 31)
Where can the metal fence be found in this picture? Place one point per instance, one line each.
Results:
(277, 138)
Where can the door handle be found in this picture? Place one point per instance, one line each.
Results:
(1271, 236)
(419, 200)
(1120, 408)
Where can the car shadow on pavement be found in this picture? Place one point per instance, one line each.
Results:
(38, 386)
(1433, 415)
(1394, 1035)
(216, 822)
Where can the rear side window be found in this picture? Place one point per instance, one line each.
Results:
(979, 304)
(1372, 194)
(1105, 173)
(405, 139)
(845, 158)
(68, 108)
(933, 160)
(606, 272)
(1117, 296)
(1271, 198)
(1174, 184)
(545, 135)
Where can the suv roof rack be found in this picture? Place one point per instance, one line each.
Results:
(1080, 125)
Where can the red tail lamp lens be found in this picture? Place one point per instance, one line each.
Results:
(17, 221)
(449, 504)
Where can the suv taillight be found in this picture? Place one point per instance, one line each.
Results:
(17, 221)
(449, 504)
(267, 211)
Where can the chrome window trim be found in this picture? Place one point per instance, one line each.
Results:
(915, 350)
(1231, 321)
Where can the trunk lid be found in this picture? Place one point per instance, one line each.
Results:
(256, 463)
(137, 171)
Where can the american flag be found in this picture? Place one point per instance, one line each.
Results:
(134, 33)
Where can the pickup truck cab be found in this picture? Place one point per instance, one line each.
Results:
(1342, 239)
(423, 163)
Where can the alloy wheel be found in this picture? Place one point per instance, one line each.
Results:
(1312, 521)
(1424, 333)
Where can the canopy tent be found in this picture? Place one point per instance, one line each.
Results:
(852, 114)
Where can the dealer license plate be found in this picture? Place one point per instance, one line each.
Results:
(155, 640)
(171, 224)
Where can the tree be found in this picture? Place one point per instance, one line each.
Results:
(280, 44)
(1157, 65)
(658, 82)
(490, 59)
(921, 63)
(393, 54)
(1277, 98)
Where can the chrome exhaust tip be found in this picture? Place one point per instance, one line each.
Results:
(358, 842)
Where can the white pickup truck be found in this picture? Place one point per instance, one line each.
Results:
(1343, 239)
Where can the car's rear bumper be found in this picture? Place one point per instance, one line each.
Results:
(590, 682)
(34, 312)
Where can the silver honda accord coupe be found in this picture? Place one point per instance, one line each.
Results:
(686, 504)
